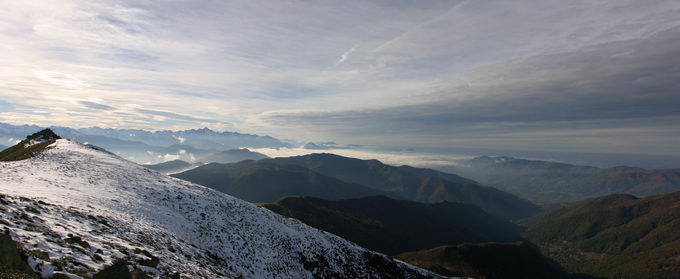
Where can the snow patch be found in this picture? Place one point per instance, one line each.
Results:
(89, 207)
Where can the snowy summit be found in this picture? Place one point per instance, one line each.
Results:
(77, 210)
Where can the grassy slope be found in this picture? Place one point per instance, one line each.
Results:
(613, 236)
(25, 149)
(18, 152)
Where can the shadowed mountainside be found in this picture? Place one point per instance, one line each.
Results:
(260, 181)
(394, 226)
(486, 261)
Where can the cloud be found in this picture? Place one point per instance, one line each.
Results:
(611, 85)
(96, 106)
(60, 79)
(179, 139)
(435, 72)
(328, 145)
(344, 56)
(169, 157)
(181, 154)
(176, 116)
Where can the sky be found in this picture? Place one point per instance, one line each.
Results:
(586, 76)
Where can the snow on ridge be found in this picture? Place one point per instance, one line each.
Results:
(35, 141)
(32, 143)
(194, 230)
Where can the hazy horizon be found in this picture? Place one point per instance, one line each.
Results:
(164, 146)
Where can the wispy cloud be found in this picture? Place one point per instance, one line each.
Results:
(96, 106)
(173, 115)
(345, 55)
(351, 71)
(632, 94)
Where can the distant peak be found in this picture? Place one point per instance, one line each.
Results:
(32, 145)
(43, 136)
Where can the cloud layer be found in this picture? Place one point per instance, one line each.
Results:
(551, 75)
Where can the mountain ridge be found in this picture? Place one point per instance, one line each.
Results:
(144, 146)
(233, 156)
(546, 181)
(109, 208)
(30, 146)
(261, 181)
(424, 185)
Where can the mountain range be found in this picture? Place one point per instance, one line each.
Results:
(261, 181)
(424, 185)
(150, 147)
(395, 226)
(548, 182)
(71, 209)
(201, 138)
(615, 236)
(227, 156)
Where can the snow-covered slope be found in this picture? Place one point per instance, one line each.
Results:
(86, 208)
